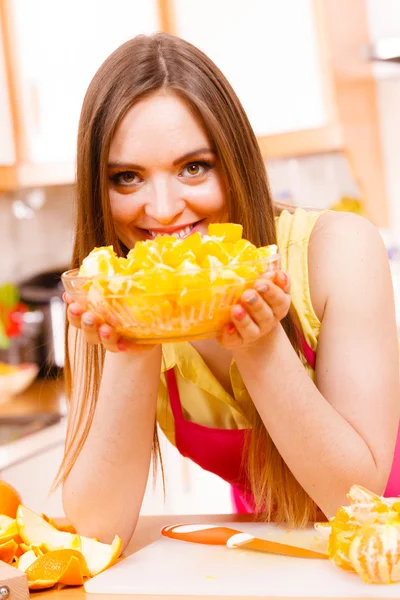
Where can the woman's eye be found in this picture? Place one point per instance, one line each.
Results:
(126, 178)
(196, 169)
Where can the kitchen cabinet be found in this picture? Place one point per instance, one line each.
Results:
(297, 66)
(384, 27)
(7, 149)
(51, 51)
(275, 63)
(269, 51)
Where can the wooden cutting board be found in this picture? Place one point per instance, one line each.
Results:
(172, 567)
(15, 581)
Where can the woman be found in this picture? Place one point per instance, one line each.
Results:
(290, 405)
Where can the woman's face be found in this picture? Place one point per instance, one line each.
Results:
(164, 175)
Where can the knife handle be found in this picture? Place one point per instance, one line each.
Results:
(214, 535)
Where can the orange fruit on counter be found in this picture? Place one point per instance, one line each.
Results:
(365, 536)
(36, 531)
(374, 553)
(9, 499)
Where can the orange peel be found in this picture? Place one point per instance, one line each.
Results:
(65, 566)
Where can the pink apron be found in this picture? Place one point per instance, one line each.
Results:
(220, 450)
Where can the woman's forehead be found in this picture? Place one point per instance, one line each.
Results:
(159, 125)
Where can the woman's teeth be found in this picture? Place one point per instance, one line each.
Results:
(178, 234)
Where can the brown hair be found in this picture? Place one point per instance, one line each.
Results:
(140, 67)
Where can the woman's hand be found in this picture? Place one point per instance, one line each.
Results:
(96, 331)
(260, 310)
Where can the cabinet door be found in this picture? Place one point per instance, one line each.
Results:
(269, 52)
(58, 46)
(7, 149)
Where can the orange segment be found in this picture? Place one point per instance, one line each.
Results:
(101, 261)
(8, 529)
(228, 232)
(144, 255)
(7, 551)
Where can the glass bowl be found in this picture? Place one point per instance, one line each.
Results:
(168, 307)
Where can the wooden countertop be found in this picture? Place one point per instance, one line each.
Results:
(44, 395)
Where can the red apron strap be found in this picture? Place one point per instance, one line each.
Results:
(174, 398)
(308, 352)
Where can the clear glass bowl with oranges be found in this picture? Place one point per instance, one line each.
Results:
(169, 288)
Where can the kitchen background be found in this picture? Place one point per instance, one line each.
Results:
(324, 105)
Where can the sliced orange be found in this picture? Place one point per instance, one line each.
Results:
(36, 531)
(144, 255)
(8, 529)
(228, 232)
(192, 243)
(8, 550)
(100, 261)
(213, 247)
(244, 251)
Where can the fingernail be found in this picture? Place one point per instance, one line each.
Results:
(250, 298)
(239, 313)
(104, 334)
(230, 328)
(75, 311)
(121, 347)
(64, 296)
(261, 287)
(87, 322)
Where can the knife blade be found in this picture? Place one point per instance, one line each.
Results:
(217, 535)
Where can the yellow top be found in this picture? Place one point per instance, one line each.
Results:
(203, 398)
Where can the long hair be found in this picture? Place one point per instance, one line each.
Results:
(139, 68)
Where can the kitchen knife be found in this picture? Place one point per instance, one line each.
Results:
(216, 535)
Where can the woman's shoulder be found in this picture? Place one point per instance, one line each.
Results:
(343, 247)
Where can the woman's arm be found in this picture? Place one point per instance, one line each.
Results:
(342, 430)
(103, 493)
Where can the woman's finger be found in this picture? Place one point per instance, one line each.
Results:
(275, 297)
(245, 326)
(89, 325)
(74, 314)
(281, 279)
(259, 310)
(109, 337)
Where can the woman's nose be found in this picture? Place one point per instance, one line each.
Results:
(164, 203)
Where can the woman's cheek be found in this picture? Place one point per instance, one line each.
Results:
(123, 209)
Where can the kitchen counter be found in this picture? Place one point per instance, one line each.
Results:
(44, 395)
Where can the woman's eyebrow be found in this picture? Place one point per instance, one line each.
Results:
(134, 167)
